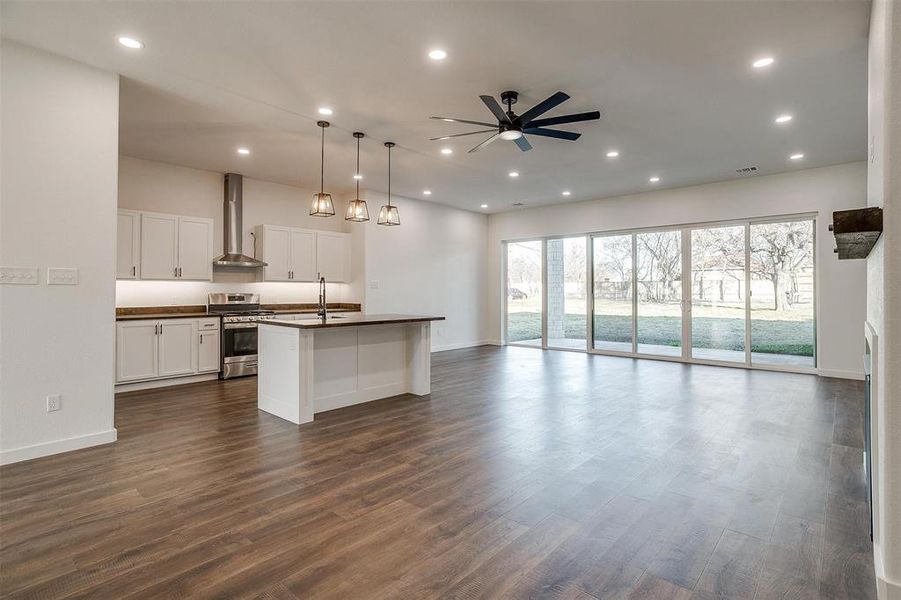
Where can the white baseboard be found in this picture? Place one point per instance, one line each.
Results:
(57, 446)
(461, 345)
(840, 374)
(158, 383)
(886, 589)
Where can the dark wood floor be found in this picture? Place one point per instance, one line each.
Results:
(525, 474)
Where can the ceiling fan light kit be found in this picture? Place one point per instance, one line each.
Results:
(357, 210)
(322, 203)
(513, 127)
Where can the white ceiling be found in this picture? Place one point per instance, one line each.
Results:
(672, 80)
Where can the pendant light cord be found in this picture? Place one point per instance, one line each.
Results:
(358, 168)
(322, 164)
(389, 176)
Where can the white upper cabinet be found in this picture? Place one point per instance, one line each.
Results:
(128, 246)
(275, 243)
(333, 256)
(175, 247)
(303, 255)
(290, 253)
(195, 248)
(159, 246)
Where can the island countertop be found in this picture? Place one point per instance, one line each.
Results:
(350, 320)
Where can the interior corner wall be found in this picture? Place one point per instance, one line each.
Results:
(433, 263)
(841, 301)
(57, 209)
(884, 289)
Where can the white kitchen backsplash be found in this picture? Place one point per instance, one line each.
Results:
(165, 293)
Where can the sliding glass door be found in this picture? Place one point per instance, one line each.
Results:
(782, 293)
(659, 275)
(524, 292)
(718, 293)
(567, 292)
(747, 297)
(613, 298)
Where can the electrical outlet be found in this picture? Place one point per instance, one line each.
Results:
(374, 284)
(54, 403)
(439, 331)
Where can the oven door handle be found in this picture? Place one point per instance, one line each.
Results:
(239, 326)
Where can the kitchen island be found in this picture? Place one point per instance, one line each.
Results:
(310, 365)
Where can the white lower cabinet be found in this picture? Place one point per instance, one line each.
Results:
(165, 348)
(208, 351)
(177, 354)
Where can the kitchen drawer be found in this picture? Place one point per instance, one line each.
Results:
(208, 324)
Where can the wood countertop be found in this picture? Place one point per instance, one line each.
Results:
(351, 320)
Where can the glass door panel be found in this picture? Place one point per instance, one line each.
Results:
(612, 258)
(659, 276)
(566, 293)
(782, 289)
(524, 293)
(718, 293)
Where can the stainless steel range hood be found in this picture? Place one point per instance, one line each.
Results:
(232, 221)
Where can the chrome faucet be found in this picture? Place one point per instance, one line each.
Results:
(322, 312)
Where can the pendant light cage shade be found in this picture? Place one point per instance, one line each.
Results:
(357, 211)
(322, 205)
(388, 214)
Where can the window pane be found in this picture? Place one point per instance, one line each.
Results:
(613, 293)
(660, 292)
(718, 293)
(566, 293)
(524, 292)
(782, 319)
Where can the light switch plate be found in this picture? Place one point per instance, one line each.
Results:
(374, 284)
(60, 276)
(19, 275)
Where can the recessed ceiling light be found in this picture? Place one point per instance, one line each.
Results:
(797, 156)
(426, 192)
(437, 54)
(566, 192)
(613, 154)
(762, 62)
(484, 206)
(130, 42)
(784, 118)
(325, 110)
(513, 174)
(654, 179)
(357, 176)
(447, 151)
(243, 151)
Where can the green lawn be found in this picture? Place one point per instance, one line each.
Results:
(771, 337)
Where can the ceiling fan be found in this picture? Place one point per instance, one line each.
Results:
(512, 127)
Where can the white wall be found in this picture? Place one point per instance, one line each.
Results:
(434, 263)
(57, 209)
(884, 288)
(841, 296)
(160, 187)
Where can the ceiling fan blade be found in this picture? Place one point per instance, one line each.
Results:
(554, 133)
(543, 106)
(495, 108)
(447, 137)
(485, 143)
(452, 120)
(523, 144)
(585, 116)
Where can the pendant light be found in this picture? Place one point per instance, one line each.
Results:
(356, 209)
(322, 203)
(388, 214)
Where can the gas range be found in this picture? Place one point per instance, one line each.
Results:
(240, 314)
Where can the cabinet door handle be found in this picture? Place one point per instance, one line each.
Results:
(201, 338)
(134, 270)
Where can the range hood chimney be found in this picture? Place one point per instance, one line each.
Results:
(232, 221)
